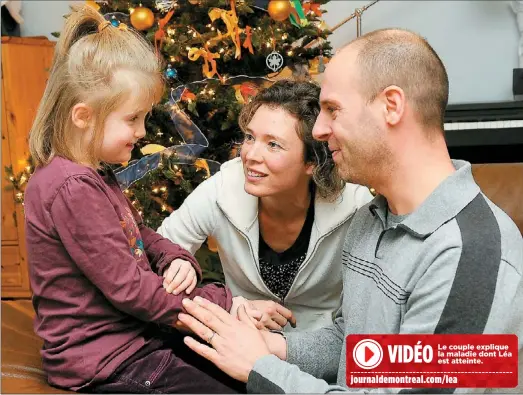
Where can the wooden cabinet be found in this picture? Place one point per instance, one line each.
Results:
(503, 184)
(25, 69)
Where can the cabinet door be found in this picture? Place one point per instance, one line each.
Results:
(9, 231)
(25, 69)
(12, 273)
(503, 184)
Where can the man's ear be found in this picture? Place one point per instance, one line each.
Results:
(81, 115)
(394, 99)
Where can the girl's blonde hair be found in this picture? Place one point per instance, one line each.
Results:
(90, 58)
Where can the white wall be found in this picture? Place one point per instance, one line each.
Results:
(42, 17)
(477, 40)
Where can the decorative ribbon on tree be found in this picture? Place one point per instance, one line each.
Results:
(160, 33)
(309, 6)
(236, 37)
(231, 22)
(208, 57)
(188, 153)
(244, 91)
(247, 43)
(188, 95)
(165, 5)
(117, 17)
(297, 16)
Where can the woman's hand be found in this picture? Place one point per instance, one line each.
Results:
(264, 314)
(180, 276)
(253, 314)
(273, 315)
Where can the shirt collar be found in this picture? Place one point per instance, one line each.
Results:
(442, 205)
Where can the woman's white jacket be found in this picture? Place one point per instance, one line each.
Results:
(221, 208)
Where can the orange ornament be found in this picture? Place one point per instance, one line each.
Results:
(142, 18)
(279, 10)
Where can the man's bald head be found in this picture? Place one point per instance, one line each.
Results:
(402, 58)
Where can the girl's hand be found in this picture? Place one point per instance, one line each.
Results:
(180, 276)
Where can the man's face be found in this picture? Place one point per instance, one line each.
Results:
(352, 127)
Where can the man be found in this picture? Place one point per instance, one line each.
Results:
(430, 254)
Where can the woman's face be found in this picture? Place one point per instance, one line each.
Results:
(273, 154)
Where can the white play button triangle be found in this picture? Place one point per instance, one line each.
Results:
(367, 354)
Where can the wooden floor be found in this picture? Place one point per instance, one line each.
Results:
(21, 363)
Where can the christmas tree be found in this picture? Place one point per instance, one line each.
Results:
(217, 54)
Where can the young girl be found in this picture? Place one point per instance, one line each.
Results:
(95, 269)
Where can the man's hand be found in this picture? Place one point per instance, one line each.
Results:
(276, 343)
(236, 344)
(180, 276)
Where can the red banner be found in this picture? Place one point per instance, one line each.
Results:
(442, 361)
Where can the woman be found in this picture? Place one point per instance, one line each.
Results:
(280, 212)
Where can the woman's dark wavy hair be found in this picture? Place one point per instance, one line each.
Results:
(300, 99)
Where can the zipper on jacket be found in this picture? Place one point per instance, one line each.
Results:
(304, 264)
(312, 254)
(254, 257)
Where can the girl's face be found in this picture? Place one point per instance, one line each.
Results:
(123, 128)
(273, 154)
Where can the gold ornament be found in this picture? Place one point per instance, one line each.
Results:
(142, 18)
(279, 10)
(194, 2)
